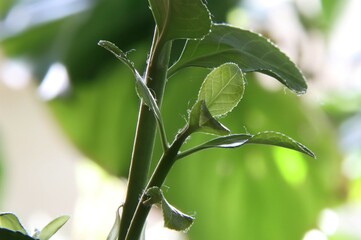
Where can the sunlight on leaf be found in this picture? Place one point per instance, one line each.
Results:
(250, 51)
(52, 227)
(201, 120)
(222, 89)
(10, 221)
(281, 140)
(181, 18)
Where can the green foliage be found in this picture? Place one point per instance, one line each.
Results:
(281, 140)
(180, 19)
(249, 50)
(201, 120)
(222, 89)
(11, 222)
(51, 228)
(240, 192)
(173, 218)
(11, 228)
(114, 232)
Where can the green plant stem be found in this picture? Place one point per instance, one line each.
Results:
(155, 76)
(160, 173)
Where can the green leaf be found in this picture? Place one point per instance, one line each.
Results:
(111, 47)
(222, 89)
(201, 120)
(10, 221)
(281, 140)
(142, 90)
(11, 235)
(177, 19)
(52, 227)
(140, 86)
(238, 140)
(114, 232)
(250, 51)
(173, 218)
(230, 141)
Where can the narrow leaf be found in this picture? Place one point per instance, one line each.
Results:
(201, 120)
(238, 140)
(177, 19)
(142, 90)
(250, 51)
(230, 141)
(10, 221)
(114, 232)
(222, 89)
(111, 47)
(52, 227)
(281, 140)
(173, 218)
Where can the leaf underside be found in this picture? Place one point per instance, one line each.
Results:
(238, 140)
(181, 19)
(173, 218)
(250, 51)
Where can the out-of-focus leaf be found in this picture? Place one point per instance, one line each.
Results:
(114, 232)
(250, 51)
(7, 234)
(181, 18)
(173, 218)
(111, 47)
(222, 89)
(281, 140)
(330, 11)
(51, 228)
(10, 221)
(201, 120)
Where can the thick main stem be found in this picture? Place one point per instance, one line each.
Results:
(156, 74)
(160, 173)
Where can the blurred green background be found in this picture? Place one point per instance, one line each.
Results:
(252, 193)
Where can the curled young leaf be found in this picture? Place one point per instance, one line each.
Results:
(250, 51)
(201, 120)
(173, 218)
(142, 90)
(114, 232)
